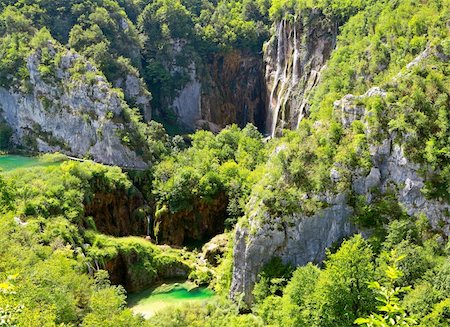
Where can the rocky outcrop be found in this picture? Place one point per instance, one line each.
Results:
(71, 109)
(136, 94)
(187, 105)
(118, 213)
(392, 171)
(300, 239)
(222, 89)
(215, 249)
(138, 271)
(294, 58)
(203, 221)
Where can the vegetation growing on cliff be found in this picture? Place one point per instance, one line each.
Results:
(53, 255)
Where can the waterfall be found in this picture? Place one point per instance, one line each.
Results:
(274, 103)
(296, 55)
(245, 114)
(149, 220)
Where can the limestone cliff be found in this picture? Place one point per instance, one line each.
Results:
(221, 89)
(71, 109)
(299, 239)
(294, 57)
(202, 222)
(234, 91)
(117, 213)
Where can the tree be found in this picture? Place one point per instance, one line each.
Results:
(342, 293)
(392, 313)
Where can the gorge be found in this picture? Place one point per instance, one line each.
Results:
(279, 152)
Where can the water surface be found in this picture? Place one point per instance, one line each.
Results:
(10, 162)
(151, 301)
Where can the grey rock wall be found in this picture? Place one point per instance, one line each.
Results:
(294, 58)
(303, 241)
(76, 116)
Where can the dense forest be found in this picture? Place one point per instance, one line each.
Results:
(371, 149)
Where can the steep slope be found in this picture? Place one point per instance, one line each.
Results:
(68, 108)
(227, 89)
(357, 161)
(294, 58)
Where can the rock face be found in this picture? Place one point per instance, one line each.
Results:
(187, 105)
(392, 171)
(136, 94)
(300, 239)
(294, 57)
(234, 92)
(216, 248)
(116, 213)
(73, 112)
(204, 221)
(225, 88)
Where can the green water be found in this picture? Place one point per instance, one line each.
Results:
(151, 301)
(11, 162)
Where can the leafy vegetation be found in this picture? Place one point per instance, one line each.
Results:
(214, 165)
(51, 249)
(52, 257)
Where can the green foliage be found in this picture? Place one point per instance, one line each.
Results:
(273, 278)
(382, 209)
(213, 166)
(215, 313)
(338, 9)
(50, 244)
(5, 136)
(391, 311)
(46, 246)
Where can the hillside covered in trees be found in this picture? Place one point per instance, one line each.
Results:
(291, 155)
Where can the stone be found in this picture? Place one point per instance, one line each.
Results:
(373, 179)
(304, 240)
(334, 175)
(68, 115)
(293, 59)
(215, 249)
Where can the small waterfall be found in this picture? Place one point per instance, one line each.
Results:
(245, 119)
(295, 74)
(90, 268)
(149, 221)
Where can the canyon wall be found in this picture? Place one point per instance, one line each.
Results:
(294, 57)
(70, 111)
(223, 89)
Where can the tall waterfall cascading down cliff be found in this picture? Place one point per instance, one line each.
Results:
(272, 92)
(294, 57)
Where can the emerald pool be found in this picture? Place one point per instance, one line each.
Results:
(11, 162)
(151, 301)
